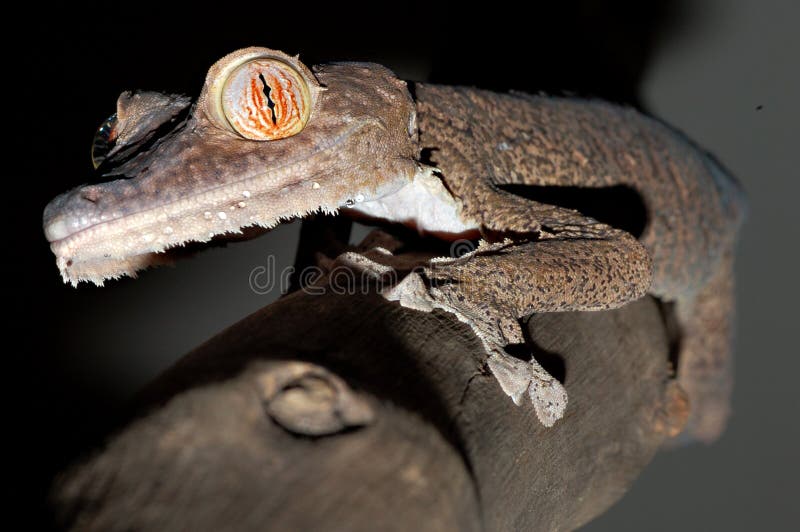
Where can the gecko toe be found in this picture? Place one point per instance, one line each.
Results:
(549, 400)
(512, 374)
(516, 377)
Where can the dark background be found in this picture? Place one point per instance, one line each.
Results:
(724, 71)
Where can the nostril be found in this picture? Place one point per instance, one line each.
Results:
(91, 194)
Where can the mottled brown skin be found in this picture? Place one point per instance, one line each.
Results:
(364, 141)
(694, 213)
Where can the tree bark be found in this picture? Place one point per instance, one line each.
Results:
(348, 412)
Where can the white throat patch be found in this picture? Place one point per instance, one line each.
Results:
(424, 203)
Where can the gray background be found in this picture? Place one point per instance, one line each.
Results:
(735, 56)
(82, 353)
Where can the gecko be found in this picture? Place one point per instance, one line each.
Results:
(270, 139)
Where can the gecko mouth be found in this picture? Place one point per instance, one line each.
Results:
(122, 245)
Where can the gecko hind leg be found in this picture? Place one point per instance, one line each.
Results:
(705, 353)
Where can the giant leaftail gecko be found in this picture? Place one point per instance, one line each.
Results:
(269, 140)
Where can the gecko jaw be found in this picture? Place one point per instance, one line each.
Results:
(126, 245)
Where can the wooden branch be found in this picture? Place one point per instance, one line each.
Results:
(347, 412)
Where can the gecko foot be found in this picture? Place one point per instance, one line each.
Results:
(495, 329)
(516, 377)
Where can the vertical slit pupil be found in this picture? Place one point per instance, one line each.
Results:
(270, 103)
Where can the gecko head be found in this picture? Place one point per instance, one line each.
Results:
(267, 140)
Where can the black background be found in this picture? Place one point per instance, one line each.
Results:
(78, 354)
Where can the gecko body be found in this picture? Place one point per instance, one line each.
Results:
(269, 140)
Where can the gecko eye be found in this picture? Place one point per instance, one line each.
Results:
(266, 99)
(104, 140)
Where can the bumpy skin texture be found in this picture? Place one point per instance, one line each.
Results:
(694, 214)
(362, 145)
(693, 208)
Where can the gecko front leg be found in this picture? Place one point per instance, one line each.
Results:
(496, 328)
(493, 286)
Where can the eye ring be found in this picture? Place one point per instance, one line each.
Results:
(220, 77)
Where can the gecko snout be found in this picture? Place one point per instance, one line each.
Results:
(72, 212)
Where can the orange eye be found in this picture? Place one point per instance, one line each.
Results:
(266, 99)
